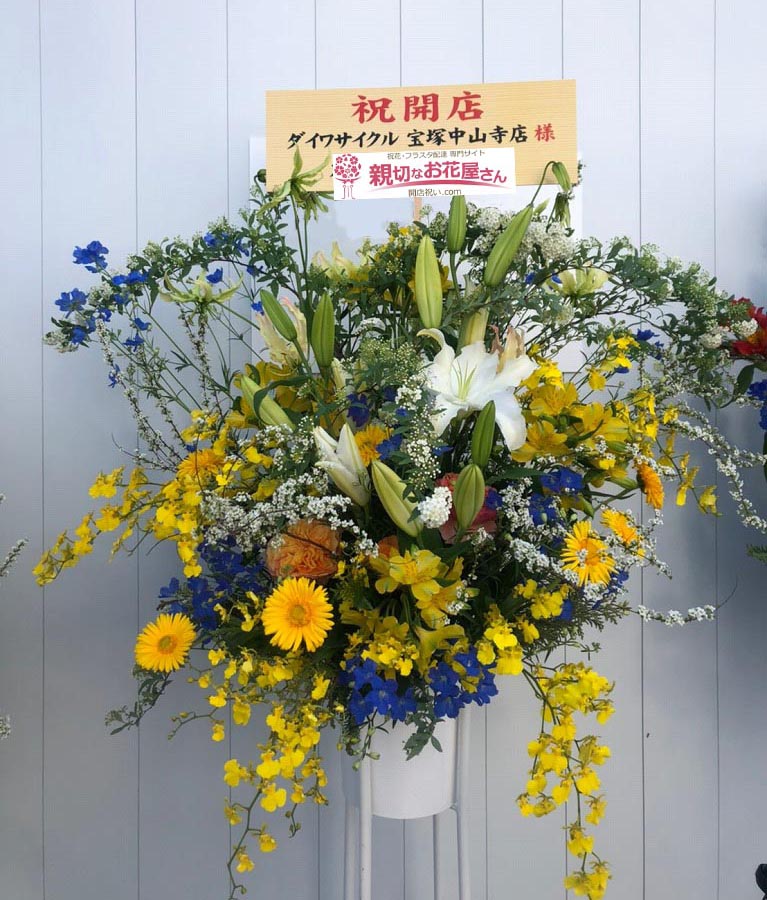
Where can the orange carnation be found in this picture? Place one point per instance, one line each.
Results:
(307, 550)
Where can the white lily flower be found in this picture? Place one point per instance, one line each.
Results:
(472, 379)
(342, 461)
(282, 352)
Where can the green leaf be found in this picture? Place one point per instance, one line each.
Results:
(745, 377)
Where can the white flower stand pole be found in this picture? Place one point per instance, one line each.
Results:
(396, 788)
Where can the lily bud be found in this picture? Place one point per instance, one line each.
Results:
(473, 328)
(428, 284)
(278, 317)
(559, 171)
(271, 413)
(483, 436)
(506, 247)
(324, 332)
(338, 372)
(468, 495)
(456, 225)
(249, 390)
(391, 492)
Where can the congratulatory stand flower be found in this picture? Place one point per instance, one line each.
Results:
(395, 503)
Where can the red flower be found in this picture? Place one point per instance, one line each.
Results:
(756, 344)
(486, 518)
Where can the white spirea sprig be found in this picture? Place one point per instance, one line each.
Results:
(674, 617)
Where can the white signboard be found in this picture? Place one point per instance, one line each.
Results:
(426, 174)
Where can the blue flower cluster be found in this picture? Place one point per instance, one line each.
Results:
(645, 335)
(74, 301)
(542, 509)
(450, 696)
(227, 574)
(759, 392)
(562, 481)
(372, 694)
(92, 256)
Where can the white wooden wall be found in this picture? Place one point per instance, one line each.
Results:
(128, 120)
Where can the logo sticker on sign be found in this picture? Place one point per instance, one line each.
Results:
(424, 173)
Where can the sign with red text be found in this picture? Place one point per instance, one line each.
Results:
(534, 118)
(423, 173)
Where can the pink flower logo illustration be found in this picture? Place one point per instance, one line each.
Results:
(347, 169)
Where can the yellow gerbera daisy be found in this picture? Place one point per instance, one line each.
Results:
(200, 464)
(586, 554)
(297, 611)
(368, 440)
(652, 486)
(620, 526)
(163, 645)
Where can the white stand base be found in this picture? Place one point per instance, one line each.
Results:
(358, 832)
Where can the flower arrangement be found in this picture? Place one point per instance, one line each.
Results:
(416, 483)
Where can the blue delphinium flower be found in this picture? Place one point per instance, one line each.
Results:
(541, 509)
(92, 256)
(114, 372)
(449, 694)
(130, 278)
(257, 306)
(359, 409)
(562, 481)
(371, 694)
(140, 324)
(758, 391)
(170, 590)
(566, 614)
(133, 343)
(645, 335)
(493, 499)
(389, 446)
(74, 301)
(215, 277)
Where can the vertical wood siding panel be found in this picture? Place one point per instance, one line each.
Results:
(741, 147)
(88, 191)
(442, 44)
(21, 601)
(601, 51)
(182, 185)
(678, 213)
(522, 43)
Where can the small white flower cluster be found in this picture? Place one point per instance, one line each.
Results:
(745, 329)
(712, 340)
(674, 617)
(410, 394)
(59, 341)
(372, 324)
(434, 511)
(552, 240)
(5, 727)
(424, 462)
